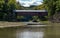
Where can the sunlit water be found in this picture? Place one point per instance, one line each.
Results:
(22, 32)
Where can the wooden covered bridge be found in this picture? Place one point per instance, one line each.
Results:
(31, 12)
(28, 13)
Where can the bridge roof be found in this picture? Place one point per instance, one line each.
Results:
(29, 10)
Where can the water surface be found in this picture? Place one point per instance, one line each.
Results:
(22, 32)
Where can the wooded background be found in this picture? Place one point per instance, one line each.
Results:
(7, 7)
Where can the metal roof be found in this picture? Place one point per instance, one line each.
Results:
(29, 10)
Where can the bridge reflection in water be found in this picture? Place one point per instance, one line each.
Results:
(25, 32)
(30, 33)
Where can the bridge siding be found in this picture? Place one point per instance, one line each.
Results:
(32, 13)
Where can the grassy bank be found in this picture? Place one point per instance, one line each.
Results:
(11, 24)
(45, 22)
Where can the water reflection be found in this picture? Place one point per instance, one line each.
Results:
(22, 33)
(7, 33)
(30, 33)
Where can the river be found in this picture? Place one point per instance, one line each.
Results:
(22, 32)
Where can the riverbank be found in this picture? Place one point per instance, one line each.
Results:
(11, 24)
(21, 24)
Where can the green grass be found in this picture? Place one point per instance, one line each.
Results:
(45, 22)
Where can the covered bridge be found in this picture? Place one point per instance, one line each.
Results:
(29, 13)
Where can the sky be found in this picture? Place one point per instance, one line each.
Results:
(28, 3)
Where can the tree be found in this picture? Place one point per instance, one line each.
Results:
(1, 9)
(53, 8)
(7, 7)
(11, 5)
(40, 7)
(58, 5)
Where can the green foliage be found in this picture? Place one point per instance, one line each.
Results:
(6, 8)
(20, 17)
(1, 4)
(58, 5)
(53, 6)
(11, 4)
(40, 7)
(49, 6)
